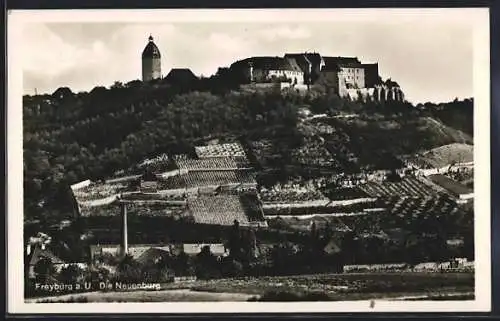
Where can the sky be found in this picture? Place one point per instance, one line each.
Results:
(431, 60)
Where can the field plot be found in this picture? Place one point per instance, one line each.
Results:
(218, 177)
(290, 195)
(98, 191)
(379, 217)
(155, 208)
(362, 207)
(102, 211)
(220, 150)
(225, 209)
(408, 186)
(212, 163)
(428, 205)
(454, 187)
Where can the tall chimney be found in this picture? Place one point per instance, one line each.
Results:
(250, 64)
(124, 228)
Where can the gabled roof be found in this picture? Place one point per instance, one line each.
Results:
(332, 247)
(151, 255)
(180, 75)
(37, 254)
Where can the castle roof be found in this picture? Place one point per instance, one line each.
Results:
(314, 58)
(151, 50)
(334, 63)
(267, 63)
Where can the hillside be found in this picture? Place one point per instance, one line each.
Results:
(71, 137)
(446, 155)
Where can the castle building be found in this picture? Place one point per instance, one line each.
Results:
(151, 61)
(267, 70)
(310, 63)
(346, 76)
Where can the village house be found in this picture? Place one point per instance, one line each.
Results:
(38, 253)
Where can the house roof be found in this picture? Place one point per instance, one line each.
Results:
(151, 254)
(267, 63)
(217, 249)
(151, 50)
(332, 247)
(37, 254)
(180, 75)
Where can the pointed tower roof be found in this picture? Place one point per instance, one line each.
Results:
(151, 50)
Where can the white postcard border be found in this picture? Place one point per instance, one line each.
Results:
(478, 17)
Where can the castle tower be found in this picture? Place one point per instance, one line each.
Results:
(151, 61)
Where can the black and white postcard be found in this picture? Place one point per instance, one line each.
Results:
(248, 160)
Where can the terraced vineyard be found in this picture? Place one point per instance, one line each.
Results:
(395, 213)
(104, 210)
(152, 208)
(358, 208)
(314, 152)
(422, 206)
(97, 191)
(408, 186)
(265, 152)
(285, 196)
(218, 210)
(220, 150)
(412, 214)
(153, 196)
(212, 163)
(218, 177)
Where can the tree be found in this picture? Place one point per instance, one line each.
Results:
(71, 274)
(44, 270)
(129, 270)
(234, 242)
(206, 264)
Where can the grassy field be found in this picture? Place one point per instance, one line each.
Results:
(332, 287)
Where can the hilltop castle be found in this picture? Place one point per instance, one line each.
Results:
(346, 76)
